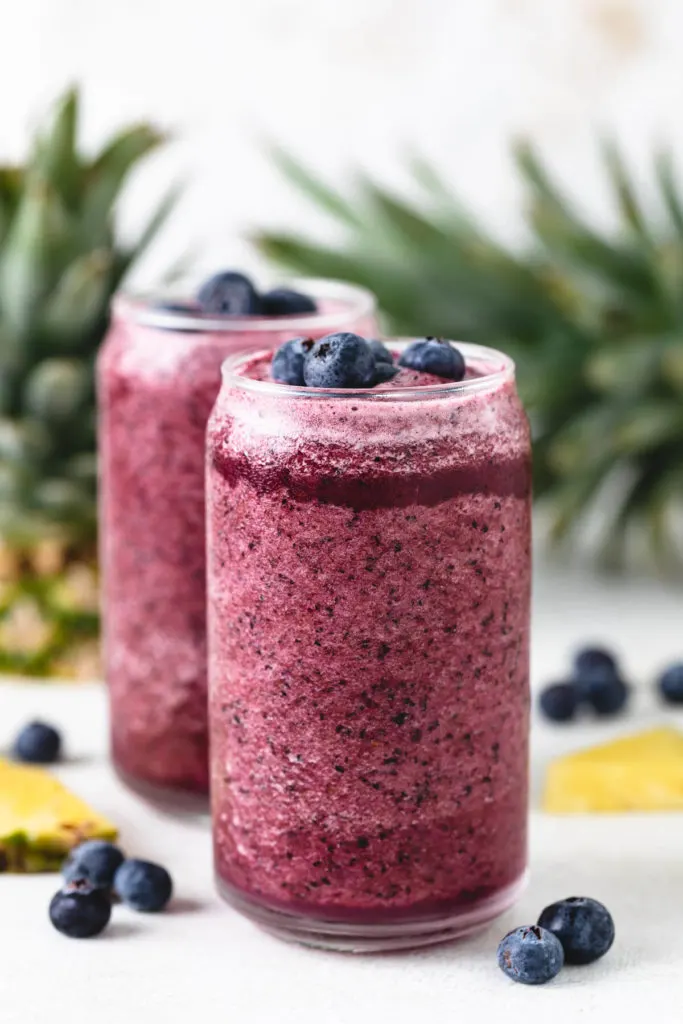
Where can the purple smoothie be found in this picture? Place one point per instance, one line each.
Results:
(369, 579)
(158, 376)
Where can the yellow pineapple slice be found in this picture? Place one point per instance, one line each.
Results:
(41, 820)
(643, 772)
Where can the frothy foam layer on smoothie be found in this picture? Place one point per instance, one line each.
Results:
(426, 437)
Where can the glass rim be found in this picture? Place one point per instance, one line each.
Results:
(139, 307)
(504, 370)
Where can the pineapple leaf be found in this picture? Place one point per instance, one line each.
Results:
(664, 171)
(79, 301)
(312, 186)
(567, 236)
(126, 257)
(594, 320)
(627, 367)
(105, 178)
(32, 255)
(57, 157)
(649, 426)
(626, 199)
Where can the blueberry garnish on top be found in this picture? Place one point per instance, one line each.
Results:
(434, 355)
(287, 302)
(346, 360)
(385, 372)
(381, 352)
(288, 362)
(342, 360)
(229, 294)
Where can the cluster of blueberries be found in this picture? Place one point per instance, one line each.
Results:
(341, 360)
(96, 873)
(597, 683)
(346, 360)
(233, 294)
(577, 930)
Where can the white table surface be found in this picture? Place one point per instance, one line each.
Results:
(201, 961)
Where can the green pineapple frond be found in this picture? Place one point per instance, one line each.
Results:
(60, 262)
(593, 318)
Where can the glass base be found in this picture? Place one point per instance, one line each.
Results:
(358, 937)
(165, 798)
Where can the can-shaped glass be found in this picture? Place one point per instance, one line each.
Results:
(158, 377)
(369, 571)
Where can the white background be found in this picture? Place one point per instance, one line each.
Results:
(346, 83)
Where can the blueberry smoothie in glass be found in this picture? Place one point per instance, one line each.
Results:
(368, 518)
(158, 376)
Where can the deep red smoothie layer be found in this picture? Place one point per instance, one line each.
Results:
(369, 576)
(156, 390)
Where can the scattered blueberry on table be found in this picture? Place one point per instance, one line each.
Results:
(94, 861)
(530, 955)
(38, 743)
(95, 872)
(583, 926)
(559, 702)
(79, 910)
(670, 684)
(594, 662)
(143, 886)
(596, 683)
(608, 696)
(576, 931)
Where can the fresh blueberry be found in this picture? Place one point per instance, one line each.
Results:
(607, 696)
(287, 366)
(380, 352)
(434, 355)
(583, 926)
(559, 702)
(95, 861)
(671, 684)
(595, 662)
(530, 955)
(38, 743)
(229, 294)
(385, 372)
(80, 911)
(287, 302)
(143, 886)
(340, 361)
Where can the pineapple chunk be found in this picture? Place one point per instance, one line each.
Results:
(643, 772)
(40, 820)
